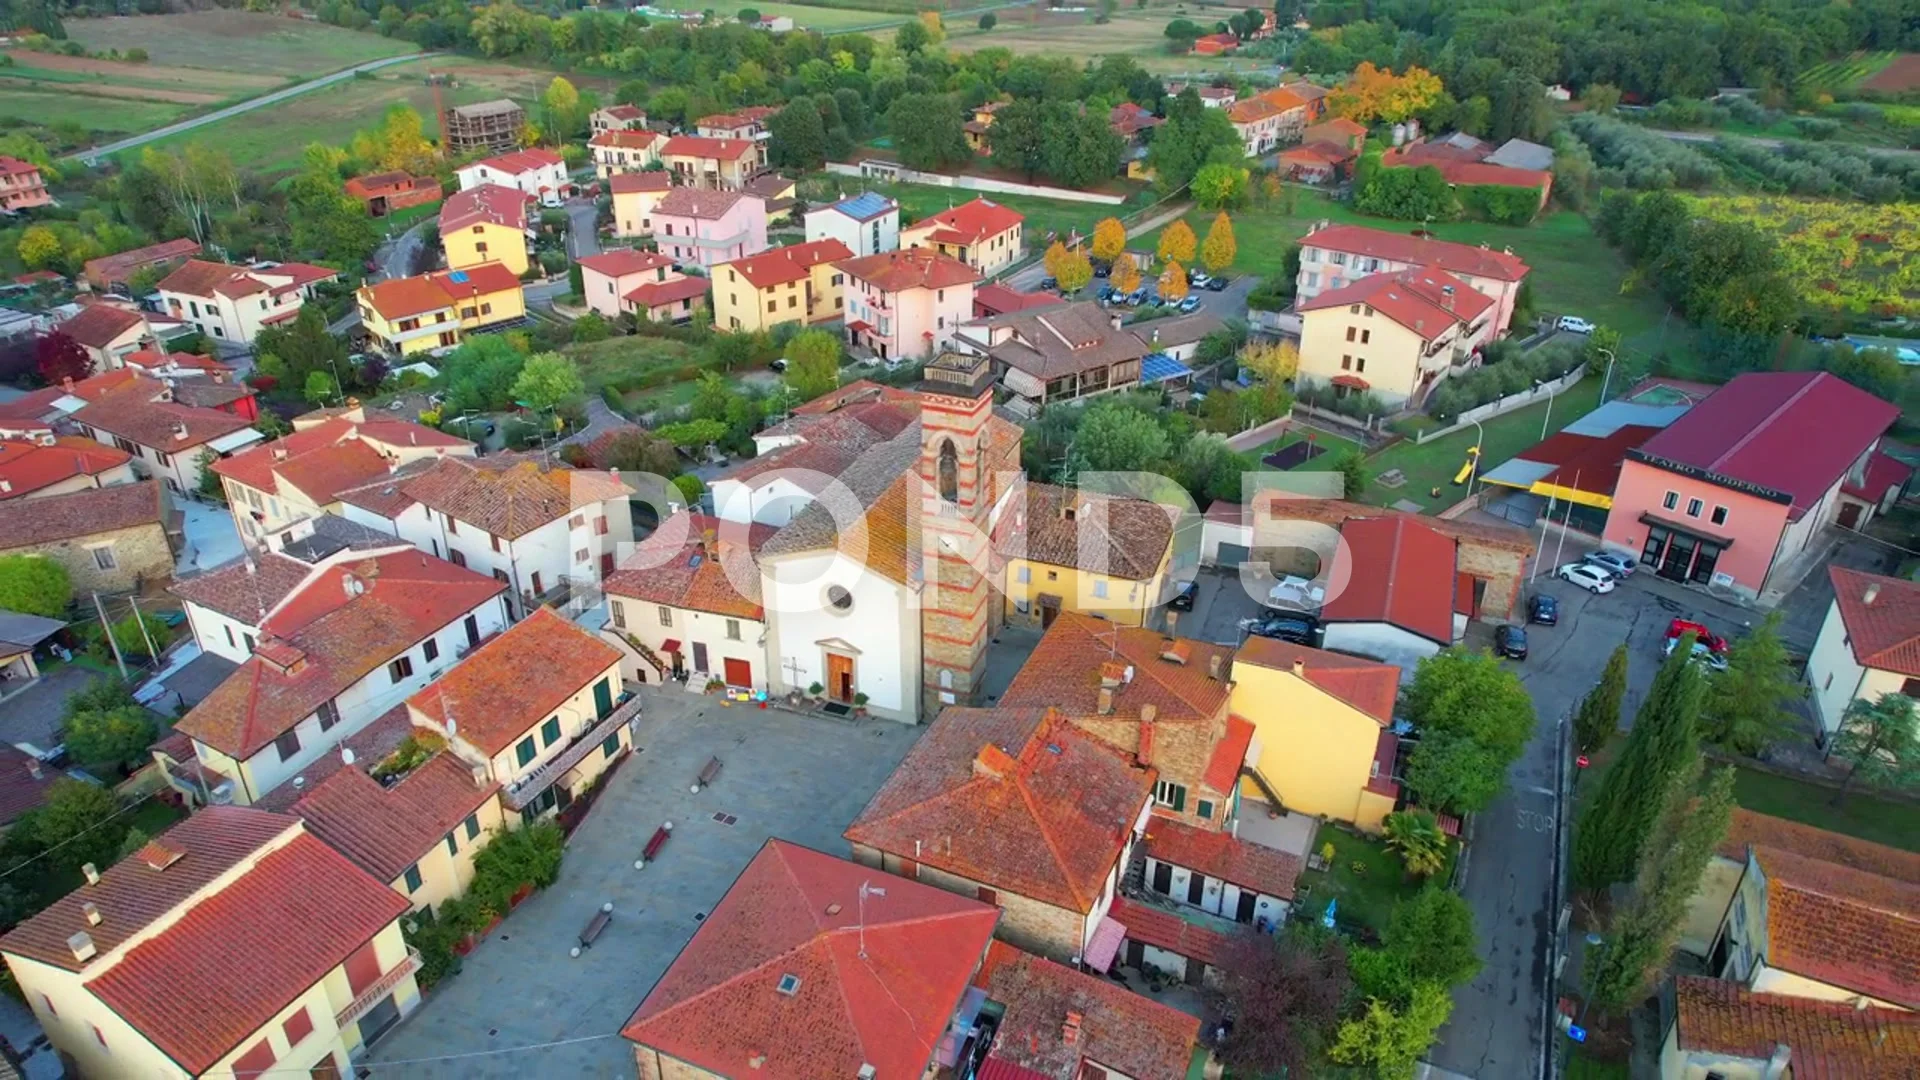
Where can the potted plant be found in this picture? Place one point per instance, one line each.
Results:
(815, 691)
(860, 704)
(715, 685)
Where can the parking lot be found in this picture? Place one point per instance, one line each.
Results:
(799, 778)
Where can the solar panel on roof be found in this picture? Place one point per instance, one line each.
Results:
(459, 277)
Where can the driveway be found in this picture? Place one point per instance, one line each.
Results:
(798, 778)
(583, 228)
(32, 716)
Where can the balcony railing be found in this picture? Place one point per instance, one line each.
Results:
(375, 994)
(529, 788)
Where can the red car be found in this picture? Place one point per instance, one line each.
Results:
(1713, 641)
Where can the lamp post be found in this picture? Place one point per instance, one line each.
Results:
(1479, 450)
(1547, 420)
(1609, 376)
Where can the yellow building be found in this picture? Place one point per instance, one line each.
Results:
(1070, 550)
(234, 944)
(537, 708)
(485, 296)
(982, 233)
(621, 150)
(485, 224)
(1322, 721)
(405, 316)
(635, 194)
(798, 283)
(977, 127)
(1394, 334)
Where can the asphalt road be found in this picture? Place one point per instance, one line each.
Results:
(583, 228)
(92, 155)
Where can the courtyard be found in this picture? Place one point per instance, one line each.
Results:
(521, 1006)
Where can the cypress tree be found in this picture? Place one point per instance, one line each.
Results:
(1599, 715)
(1609, 836)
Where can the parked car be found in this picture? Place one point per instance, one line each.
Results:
(1190, 305)
(778, 363)
(1678, 628)
(1215, 284)
(1574, 324)
(1183, 596)
(1295, 628)
(1543, 609)
(1199, 279)
(1510, 641)
(1613, 562)
(1296, 592)
(1591, 578)
(1101, 270)
(1048, 284)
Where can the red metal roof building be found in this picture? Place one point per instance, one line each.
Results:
(1392, 590)
(803, 971)
(41, 464)
(148, 970)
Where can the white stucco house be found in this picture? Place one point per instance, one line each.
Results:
(1869, 645)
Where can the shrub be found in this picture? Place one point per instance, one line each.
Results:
(989, 21)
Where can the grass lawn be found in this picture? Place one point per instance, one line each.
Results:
(919, 200)
(1368, 896)
(1433, 463)
(1581, 1067)
(1332, 445)
(227, 40)
(806, 16)
(119, 115)
(1883, 822)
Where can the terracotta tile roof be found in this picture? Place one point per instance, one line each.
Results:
(400, 298)
(909, 268)
(1064, 670)
(509, 685)
(20, 789)
(698, 203)
(1884, 473)
(882, 478)
(673, 567)
(1794, 432)
(1472, 172)
(628, 183)
(1120, 537)
(625, 112)
(796, 913)
(1229, 754)
(482, 279)
(27, 465)
(505, 495)
(321, 460)
(197, 277)
(97, 325)
(110, 268)
(1426, 301)
(132, 894)
(1848, 928)
(144, 410)
(1748, 827)
(515, 162)
(347, 623)
(1221, 855)
(1063, 339)
(1270, 507)
(370, 745)
(487, 204)
(1017, 799)
(1119, 1030)
(1150, 925)
(385, 829)
(994, 298)
(971, 222)
(1337, 125)
(654, 294)
(616, 264)
(1828, 1040)
(245, 589)
(83, 513)
(1128, 119)
(1252, 110)
(1399, 247)
(625, 139)
(228, 966)
(1367, 685)
(783, 264)
(696, 146)
(1396, 571)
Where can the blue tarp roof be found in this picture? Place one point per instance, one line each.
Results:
(863, 206)
(1159, 367)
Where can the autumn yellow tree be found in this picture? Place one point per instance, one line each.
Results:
(1125, 276)
(1074, 271)
(1217, 253)
(399, 142)
(1173, 281)
(1273, 361)
(1177, 242)
(936, 30)
(1378, 94)
(1055, 257)
(1109, 239)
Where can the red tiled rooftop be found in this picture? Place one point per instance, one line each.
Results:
(505, 495)
(1396, 571)
(697, 203)
(82, 513)
(784, 264)
(494, 204)
(1229, 754)
(1119, 1029)
(510, 685)
(880, 996)
(98, 325)
(1750, 827)
(1221, 855)
(321, 460)
(515, 162)
(386, 829)
(654, 294)
(1399, 247)
(107, 268)
(1883, 631)
(673, 567)
(1827, 1040)
(21, 789)
(909, 268)
(27, 465)
(624, 261)
(1848, 928)
(1063, 671)
(1367, 685)
(627, 183)
(1166, 930)
(697, 146)
(1884, 473)
(1426, 301)
(972, 222)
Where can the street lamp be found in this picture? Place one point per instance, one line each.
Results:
(1548, 419)
(1479, 451)
(1609, 378)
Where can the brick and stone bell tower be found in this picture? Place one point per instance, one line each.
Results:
(956, 600)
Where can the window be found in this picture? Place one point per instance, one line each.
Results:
(400, 669)
(413, 878)
(453, 845)
(472, 825)
(666, 615)
(1346, 362)
(297, 1027)
(1204, 809)
(1168, 793)
(1053, 575)
(103, 558)
(288, 744)
(600, 526)
(611, 746)
(986, 895)
(496, 542)
(248, 638)
(949, 467)
(1359, 363)
(525, 751)
(453, 527)
(1352, 332)
(1367, 311)
(1671, 500)
(472, 626)
(1353, 309)
(329, 715)
(1693, 507)
(432, 649)
(580, 555)
(1100, 588)
(229, 631)
(840, 598)
(1719, 515)
(1366, 336)
(1023, 575)
(550, 731)
(537, 590)
(733, 629)
(161, 457)
(619, 616)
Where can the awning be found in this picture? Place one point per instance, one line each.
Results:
(1105, 944)
(1353, 382)
(671, 645)
(234, 440)
(1159, 367)
(857, 327)
(1688, 530)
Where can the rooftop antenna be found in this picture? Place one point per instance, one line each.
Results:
(866, 889)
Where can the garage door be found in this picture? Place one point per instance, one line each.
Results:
(739, 673)
(1233, 554)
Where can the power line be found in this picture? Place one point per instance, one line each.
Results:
(127, 809)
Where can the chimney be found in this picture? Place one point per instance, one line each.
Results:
(1149, 713)
(92, 911)
(1114, 320)
(993, 762)
(33, 768)
(82, 946)
(1173, 621)
(66, 383)
(1872, 593)
(1300, 666)
(279, 452)
(346, 755)
(1778, 1063)
(755, 1061)
(1213, 667)
(219, 378)
(1105, 708)
(5, 486)
(180, 431)
(92, 874)
(1070, 1030)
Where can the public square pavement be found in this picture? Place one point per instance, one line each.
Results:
(796, 777)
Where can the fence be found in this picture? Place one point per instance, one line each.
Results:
(893, 172)
(1505, 405)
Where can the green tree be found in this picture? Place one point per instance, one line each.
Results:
(1219, 185)
(989, 21)
(319, 389)
(690, 487)
(480, 374)
(1354, 474)
(1416, 835)
(1879, 740)
(1018, 138)
(927, 131)
(1474, 718)
(110, 737)
(546, 381)
(301, 347)
(1433, 932)
(590, 327)
(1208, 468)
(796, 137)
(561, 105)
(692, 433)
(32, 585)
(912, 37)
(1189, 140)
(1389, 1039)
(76, 824)
(1116, 437)
(1082, 149)
(1599, 714)
(210, 485)
(1455, 773)
(40, 247)
(328, 224)
(813, 363)
(1612, 831)
(1745, 708)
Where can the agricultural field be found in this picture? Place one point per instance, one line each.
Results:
(1848, 256)
(1848, 73)
(272, 140)
(1895, 74)
(226, 41)
(827, 20)
(1030, 28)
(64, 108)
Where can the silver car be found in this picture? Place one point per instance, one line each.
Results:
(1613, 562)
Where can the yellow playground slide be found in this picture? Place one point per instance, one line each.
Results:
(1473, 455)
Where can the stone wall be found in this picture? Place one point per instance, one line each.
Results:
(1037, 927)
(140, 556)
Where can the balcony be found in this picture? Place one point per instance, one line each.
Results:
(528, 788)
(375, 994)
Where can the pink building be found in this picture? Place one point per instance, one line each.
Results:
(703, 227)
(642, 282)
(1332, 256)
(1747, 480)
(21, 185)
(907, 303)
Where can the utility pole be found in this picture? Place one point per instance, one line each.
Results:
(152, 650)
(108, 628)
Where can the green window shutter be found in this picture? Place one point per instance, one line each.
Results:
(550, 731)
(1179, 798)
(1205, 810)
(526, 750)
(453, 845)
(473, 826)
(413, 878)
(611, 746)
